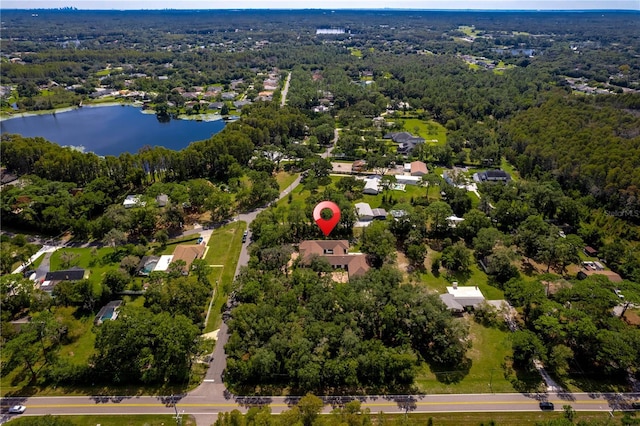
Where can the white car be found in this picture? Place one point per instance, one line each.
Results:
(618, 293)
(17, 409)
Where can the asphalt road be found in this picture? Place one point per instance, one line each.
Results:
(206, 408)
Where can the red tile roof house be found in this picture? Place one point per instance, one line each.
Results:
(188, 253)
(336, 252)
(418, 168)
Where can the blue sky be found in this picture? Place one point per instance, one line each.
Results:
(326, 4)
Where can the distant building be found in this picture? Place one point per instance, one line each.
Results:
(590, 251)
(162, 200)
(359, 166)
(133, 201)
(405, 140)
(492, 176)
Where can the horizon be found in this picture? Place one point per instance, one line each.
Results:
(399, 5)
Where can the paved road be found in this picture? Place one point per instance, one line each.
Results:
(285, 90)
(206, 408)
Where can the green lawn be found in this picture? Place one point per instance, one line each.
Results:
(432, 131)
(285, 179)
(224, 249)
(507, 167)
(438, 419)
(501, 419)
(489, 348)
(355, 52)
(474, 277)
(84, 258)
(114, 420)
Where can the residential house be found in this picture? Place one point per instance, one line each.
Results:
(364, 211)
(408, 180)
(459, 298)
(240, 104)
(188, 253)
(133, 200)
(590, 251)
(51, 279)
(418, 168)
(492, 176)
(405, 140)
(336, 252)
(371, 186)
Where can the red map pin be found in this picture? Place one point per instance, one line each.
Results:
(326, 225)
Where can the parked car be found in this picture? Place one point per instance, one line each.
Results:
(244, 236)
(635, 405)
(546, 405)
(17, 409)
(618, 293)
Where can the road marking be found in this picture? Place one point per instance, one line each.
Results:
(273, 404)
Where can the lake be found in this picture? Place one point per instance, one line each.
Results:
(111, 130)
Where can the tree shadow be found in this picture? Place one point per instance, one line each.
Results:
(444, 374)
(461, 276)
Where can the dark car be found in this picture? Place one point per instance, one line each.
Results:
(635, 405)
(244, 236)
(546, 406)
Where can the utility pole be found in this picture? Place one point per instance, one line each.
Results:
(178, 414)
(491, 381)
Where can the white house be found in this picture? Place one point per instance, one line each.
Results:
(133, 201)
(371, 186)
(364, 211)
(408, 180)
(465, 296)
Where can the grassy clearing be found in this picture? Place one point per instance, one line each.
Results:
(224, 249)
(432, 131)
(500, 419)
(285, 179)
(356, 52)
(96, 262)
(489, 348)
(118, 420)
(507, 167)
(474, 277)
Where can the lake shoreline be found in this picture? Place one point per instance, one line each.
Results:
(5, 117)
(111, 129)
(196, 117)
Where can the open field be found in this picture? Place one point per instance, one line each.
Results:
(224, 249)
(484, 372)
(285, 179)
(119, 420)
(429, 130)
